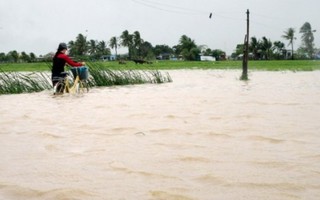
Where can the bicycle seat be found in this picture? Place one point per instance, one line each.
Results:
(57, 78)
(64, 73)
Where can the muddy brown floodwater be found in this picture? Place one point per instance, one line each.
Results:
(205, 136)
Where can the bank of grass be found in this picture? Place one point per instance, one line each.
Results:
(274, 65)
(19, 82)
(101, 76)
(16, 82)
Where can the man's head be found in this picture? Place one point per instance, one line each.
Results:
(62, 46)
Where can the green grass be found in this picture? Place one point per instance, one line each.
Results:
(25, 67)
(292, 65)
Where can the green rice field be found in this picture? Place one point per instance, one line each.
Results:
(291, 65)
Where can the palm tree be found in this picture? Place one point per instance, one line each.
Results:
(266, 47)
(289, 35)
(14, 55)
(254, 47)
(114, 44)
(92, 47)
(3, 57)
(137, 42)
(146, 50)
(278, 47)
(186, 42)
(126, 41)
(102, 48)
(25, 57)
(32, 57)
(81, 45)
(307, 38)
(188, 48)
(72, 49)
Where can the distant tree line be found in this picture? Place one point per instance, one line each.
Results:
(14, 56)
(186, 49)
(265, 49)
(138, 48)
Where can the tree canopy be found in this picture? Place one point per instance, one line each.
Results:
(289, 35)
(307, 39)
(186, 48)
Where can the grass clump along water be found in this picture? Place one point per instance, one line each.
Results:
(101, 76)
(24, 82)
(17, 82)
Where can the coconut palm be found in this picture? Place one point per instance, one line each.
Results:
(127, 41)
(92, 49)
(146, 50)
(279, 48)
(254, 47)
(114, 44)
(102, 49)
(13, 55)
(32, 57)
(266, 47)
(188, 48)
(3, 57)
(72, 49)
(289, 35)
(307, 38)
(81, 45)
(25, 57)
(137, 42)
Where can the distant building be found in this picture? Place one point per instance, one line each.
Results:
(109, 58)
(288, 54)
(164, 56)
(207, 58)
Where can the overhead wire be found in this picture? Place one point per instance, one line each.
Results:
(169, 7)
(182, 10)
(210, 14)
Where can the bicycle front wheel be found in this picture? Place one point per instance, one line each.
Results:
(82, 87)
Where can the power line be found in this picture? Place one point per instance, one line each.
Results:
(170, 8)
(174, 6)
(210, 14)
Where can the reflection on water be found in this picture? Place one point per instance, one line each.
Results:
(204, 136)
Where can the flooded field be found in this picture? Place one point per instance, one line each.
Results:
(205, 136)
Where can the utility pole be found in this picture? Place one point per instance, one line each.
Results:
(246, 52)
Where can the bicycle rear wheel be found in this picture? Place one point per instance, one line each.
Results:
(58, 88)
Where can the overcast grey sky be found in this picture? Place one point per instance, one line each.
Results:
(40, 25)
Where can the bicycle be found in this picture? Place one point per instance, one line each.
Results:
(74, 85)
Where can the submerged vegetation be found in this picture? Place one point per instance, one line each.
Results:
(101, 76)
(23, 82)
(17, 82)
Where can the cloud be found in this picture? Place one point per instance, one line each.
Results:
(38, 26)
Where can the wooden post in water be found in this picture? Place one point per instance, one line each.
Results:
(246, 52)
